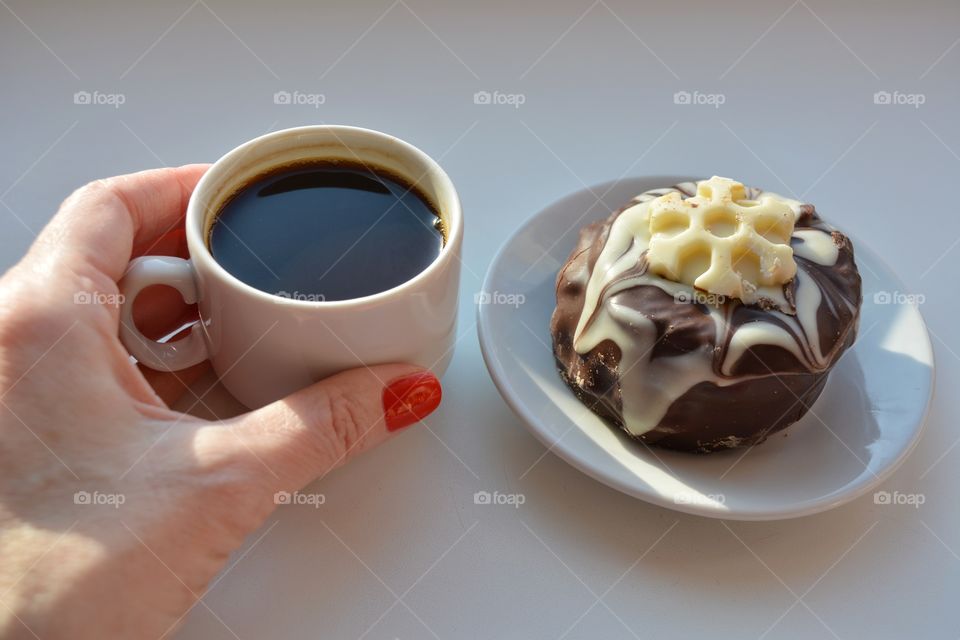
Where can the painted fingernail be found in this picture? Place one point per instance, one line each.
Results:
(410, 399)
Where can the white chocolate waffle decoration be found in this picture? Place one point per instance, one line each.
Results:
(721, 242)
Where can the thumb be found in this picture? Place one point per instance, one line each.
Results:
(315, 430)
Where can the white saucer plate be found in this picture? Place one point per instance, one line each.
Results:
(863, 426)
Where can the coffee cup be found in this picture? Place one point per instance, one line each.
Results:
(264, 346)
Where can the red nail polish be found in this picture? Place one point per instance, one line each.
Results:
(409, 399)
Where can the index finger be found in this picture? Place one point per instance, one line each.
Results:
(106, 222)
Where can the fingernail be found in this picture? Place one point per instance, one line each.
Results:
(410, 399)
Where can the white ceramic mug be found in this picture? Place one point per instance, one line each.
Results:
(263, 346)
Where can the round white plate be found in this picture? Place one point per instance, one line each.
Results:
(864, 425)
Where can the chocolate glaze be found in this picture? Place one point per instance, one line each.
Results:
(765, 390)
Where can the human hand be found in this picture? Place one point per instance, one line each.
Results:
(81, 424)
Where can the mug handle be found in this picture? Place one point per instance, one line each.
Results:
(164, 356)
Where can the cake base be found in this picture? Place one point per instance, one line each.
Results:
(706, 403)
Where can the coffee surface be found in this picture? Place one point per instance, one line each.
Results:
(325, 232)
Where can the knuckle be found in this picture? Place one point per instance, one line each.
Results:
(25, 318)
(94, 189)
(345, 421)
(33, 309)
(103, 190)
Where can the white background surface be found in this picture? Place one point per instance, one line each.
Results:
(399, 549)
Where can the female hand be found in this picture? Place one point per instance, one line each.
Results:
(115, 511)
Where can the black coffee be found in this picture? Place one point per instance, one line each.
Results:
(326, 232)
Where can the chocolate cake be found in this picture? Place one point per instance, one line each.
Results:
(705, 315)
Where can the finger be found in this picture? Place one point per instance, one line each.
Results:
(173, 385)
(319, 428)
(173, 243)
(104, 223)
